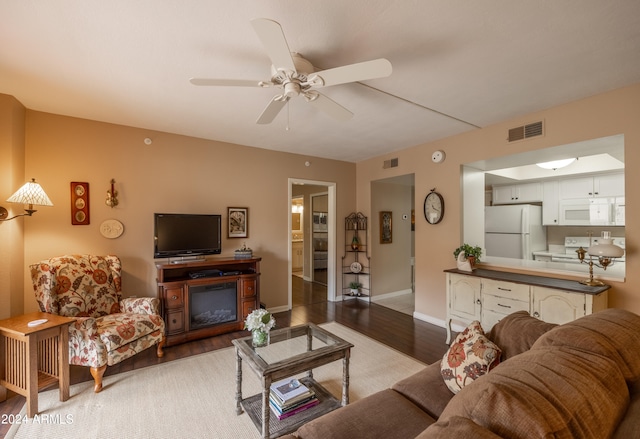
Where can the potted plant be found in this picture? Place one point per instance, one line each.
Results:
(472, 253)
(355, 288)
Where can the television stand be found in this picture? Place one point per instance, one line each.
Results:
(224, 300)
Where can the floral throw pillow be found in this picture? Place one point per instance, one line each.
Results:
(470, 356)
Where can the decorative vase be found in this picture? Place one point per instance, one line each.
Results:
(355, 244)
(259, 338)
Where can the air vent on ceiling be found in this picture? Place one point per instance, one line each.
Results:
(390, 163)
(526, 131)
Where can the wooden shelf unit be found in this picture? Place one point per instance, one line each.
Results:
(174, 282)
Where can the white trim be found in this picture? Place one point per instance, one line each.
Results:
(438, 322)
(390, 295)
(277, 309)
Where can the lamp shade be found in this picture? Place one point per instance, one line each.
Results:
(31, 193)
(605, 249)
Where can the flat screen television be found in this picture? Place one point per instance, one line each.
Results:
(179, 234)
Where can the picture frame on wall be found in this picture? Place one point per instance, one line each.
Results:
(238, 222)
(80, 203)
(386, 230)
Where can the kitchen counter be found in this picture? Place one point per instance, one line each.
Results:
(541, 281)
(613, 273)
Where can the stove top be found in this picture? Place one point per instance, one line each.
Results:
(573, 243)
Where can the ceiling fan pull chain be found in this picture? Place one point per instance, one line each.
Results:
(287, 128)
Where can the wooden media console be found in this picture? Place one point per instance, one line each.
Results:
(217, 302)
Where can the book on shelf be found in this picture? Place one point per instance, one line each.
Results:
(288, 389)
(296, 409)
(282, 408)
(291, 401)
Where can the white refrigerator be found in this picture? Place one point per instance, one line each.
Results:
(514, 231)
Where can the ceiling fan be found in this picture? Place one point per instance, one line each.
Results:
(295, 75)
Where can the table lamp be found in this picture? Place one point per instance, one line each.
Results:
(605, 250)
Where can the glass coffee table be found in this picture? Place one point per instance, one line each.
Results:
(291, 351)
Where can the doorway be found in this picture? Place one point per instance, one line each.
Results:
(392, 258)
(317, 281)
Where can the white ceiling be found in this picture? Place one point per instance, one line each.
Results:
(457, 65)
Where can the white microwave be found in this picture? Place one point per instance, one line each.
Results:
(591, 211)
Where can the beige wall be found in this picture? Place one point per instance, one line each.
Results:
(616, 112)
(173, 174)
(12, 176)
(391, 263)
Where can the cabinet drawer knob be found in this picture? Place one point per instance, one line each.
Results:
(504, 306)
(504, 289)
(174, 321)
(478, 302)
(174, 297)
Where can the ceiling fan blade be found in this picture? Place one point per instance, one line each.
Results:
(272, 110)
(225, 82)
(377, 68)
(274, 42)
(331, 107)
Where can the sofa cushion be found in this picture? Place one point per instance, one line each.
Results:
(517, 332)
(384, 414)
(614, 333)
(470, 356)
(426, 389)
(457, 427)
(630, 427)
(557, 392)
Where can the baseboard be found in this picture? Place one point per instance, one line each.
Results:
(438, 322)
(277, 309)
(390, 295)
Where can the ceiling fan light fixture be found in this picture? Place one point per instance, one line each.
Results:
(291, 89)
(556, 164)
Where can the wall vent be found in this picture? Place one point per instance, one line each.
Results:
(393, 163)
(526, 131)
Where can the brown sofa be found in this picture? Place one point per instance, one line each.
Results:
(577, 380)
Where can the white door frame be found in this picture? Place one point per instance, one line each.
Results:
(331, 236)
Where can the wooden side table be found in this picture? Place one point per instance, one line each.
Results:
(35, 357)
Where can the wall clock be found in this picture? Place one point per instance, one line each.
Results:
(433, 207)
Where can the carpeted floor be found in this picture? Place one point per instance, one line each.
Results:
(195, 397)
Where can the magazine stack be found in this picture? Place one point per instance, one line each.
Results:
(290, 396)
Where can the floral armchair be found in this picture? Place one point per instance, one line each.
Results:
(108, 328)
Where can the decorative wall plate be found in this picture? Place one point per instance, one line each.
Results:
(356, 267)
(111, 228)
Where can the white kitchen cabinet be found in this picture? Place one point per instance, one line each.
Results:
(297, 253)
(606, 185)
(490, 295)
(517, 193)
(463, 299)
(558, 306)
(550, 203)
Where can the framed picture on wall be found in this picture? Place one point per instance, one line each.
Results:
(238, 224)
(386, 232)
(79, 203)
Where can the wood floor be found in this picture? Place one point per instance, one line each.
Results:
(420, 340)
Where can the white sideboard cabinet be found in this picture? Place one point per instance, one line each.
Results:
(490, 295)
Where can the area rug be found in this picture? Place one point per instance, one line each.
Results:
(194, 397)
